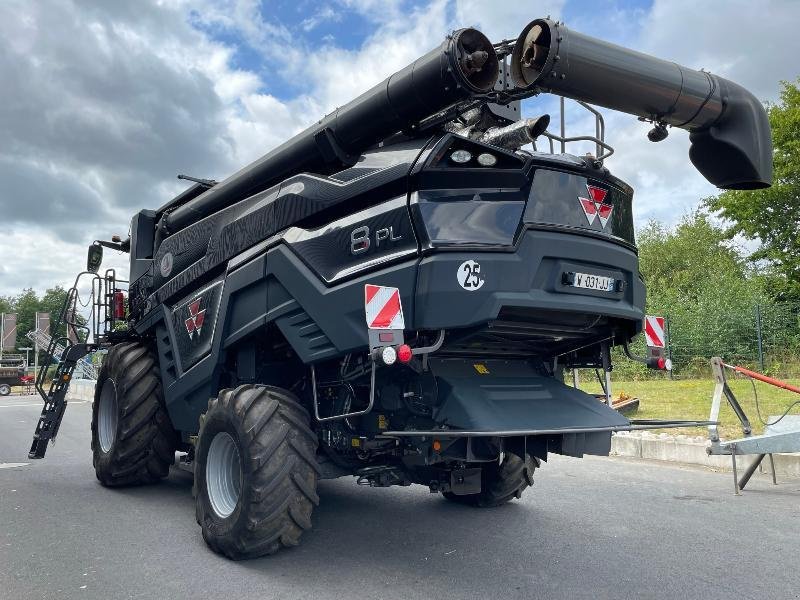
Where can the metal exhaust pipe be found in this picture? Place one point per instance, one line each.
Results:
(730, 137)
(517, 134)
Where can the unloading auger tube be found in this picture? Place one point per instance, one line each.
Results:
(729, 130)
(463, 66)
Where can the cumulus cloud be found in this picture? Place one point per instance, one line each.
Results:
(98, 114)
(503, 20)
(103, 105)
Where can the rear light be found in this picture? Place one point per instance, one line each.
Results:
(388, 355)
(461, 156)
(487, 160)
(119, 304)
(404, 353)
(660, 363)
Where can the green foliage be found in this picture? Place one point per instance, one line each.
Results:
(25, 305)
(704, 286)
(772, 215)
(28, 303)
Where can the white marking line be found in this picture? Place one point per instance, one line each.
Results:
(12, 465)
(39, 404)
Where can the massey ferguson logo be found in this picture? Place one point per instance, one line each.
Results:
(194, 324)
(596, 206)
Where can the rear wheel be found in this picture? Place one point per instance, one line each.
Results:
(256, 474)
(132, 439)
(500, 482)
(5, 389)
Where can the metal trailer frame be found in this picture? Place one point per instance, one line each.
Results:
(783, 437)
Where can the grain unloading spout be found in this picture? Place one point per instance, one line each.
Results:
(729, 129)
(463, 66)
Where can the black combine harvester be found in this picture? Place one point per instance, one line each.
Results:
(395, 292)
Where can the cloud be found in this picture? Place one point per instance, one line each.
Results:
(324, 15)
(104, 105)
(98, 116)
(503, 20)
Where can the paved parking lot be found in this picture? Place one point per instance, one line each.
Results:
(590, 528)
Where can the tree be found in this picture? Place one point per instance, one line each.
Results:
(25, 305)
(691, 263)
(704, 284)
(28, 303)
(53, 302)
(772, 215)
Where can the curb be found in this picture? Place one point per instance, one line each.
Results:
(81, 389)
(691, 450)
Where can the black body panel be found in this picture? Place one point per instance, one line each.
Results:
(530, 277)
(368, 238)
(555, 199)
(194, 319)
(511, 396)
(306, 201)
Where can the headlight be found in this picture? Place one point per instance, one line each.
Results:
(461, 156)
(487, 160)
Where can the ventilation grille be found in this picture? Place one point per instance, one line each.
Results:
(305, 335)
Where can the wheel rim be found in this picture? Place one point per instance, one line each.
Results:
(223, 474)
(5, 389)
(107, 415)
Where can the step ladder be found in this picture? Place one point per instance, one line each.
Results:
(55, 402)
(68, 352)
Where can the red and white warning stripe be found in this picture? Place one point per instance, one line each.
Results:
(654, 331)
(383, 308)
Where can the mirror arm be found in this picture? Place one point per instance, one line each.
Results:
(123, 246)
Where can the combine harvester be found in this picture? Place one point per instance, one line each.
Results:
(396, 292)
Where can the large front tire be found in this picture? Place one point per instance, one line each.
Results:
(501, 482)
(133, 441)
(256, 474)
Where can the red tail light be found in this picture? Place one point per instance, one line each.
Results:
(404, 353)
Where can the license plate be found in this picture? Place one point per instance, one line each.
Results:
(587, 281)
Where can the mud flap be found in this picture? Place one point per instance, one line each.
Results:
(510, 398)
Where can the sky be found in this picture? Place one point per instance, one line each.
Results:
(103, 103)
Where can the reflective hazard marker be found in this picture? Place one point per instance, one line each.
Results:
(383, 308)
(654, 331)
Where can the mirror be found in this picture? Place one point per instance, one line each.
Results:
(94, 258)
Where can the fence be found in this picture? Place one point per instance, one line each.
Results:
(765, 337)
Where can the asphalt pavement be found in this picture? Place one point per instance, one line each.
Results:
(589, 528)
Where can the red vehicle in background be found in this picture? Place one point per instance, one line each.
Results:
(12, 372)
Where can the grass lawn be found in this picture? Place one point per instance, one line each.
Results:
(691, 399)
